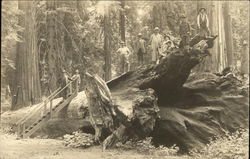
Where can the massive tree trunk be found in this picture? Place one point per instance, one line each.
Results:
(190, 114)
(52, 49)
(222, 43)
(218, 60)
(107, 44)
(205, 65)
(28, 90)
(228, 34)
(192, 108)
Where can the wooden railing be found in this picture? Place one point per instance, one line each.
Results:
(42, 108)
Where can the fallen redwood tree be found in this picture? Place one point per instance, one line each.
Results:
(155, 101)
(165, 101)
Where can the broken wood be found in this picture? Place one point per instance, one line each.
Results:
(140, 94)
(190, 113)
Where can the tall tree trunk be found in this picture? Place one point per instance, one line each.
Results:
(28, 89)
(228, 33)
(51, 27)
(107, 45)
(157, 16)
(218, 60)
(205, 65)
(245, 58)
(222, 46)
(122, 21)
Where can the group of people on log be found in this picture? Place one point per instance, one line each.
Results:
(161, 45)
(66, 78)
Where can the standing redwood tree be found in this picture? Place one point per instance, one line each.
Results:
(107, 44)
(122, 21)
(218, 60)
(51, 31)
(28, 89)
(228, 33)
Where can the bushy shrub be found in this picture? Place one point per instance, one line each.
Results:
(146, 147)
(231, 146)
(78, 140)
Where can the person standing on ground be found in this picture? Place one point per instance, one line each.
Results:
(140, 49)
(124, 53)
(184, 33)
(203, 23)
(155, 44)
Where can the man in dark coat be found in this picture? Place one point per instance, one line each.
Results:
(140, 49)
(203, 23)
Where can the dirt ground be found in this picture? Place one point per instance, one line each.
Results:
(11, 148)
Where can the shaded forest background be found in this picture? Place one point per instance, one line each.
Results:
(40, 38)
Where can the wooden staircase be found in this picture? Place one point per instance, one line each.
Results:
(26, 128)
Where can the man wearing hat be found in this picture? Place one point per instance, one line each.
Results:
(124, 54)
(184, 32)
(140, 49)
(203, 23)
(155, 41)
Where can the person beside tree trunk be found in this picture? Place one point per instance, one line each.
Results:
(124, 54)
(65, 80)
(140, 49)
(203, 23)
(78, 80)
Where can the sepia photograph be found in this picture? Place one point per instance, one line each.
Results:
(124, 79)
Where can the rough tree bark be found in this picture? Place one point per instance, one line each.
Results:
(245, 58)
(51, 57)
(219, 57)
(228, 34)
(167, 103)
(122, 21)
(107, 45)
(141, 93)
(190, 112)
(28, 90)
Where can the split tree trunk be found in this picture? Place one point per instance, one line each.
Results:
(189, 114)
(138, 93)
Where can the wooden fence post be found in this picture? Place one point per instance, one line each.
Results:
(50, 108)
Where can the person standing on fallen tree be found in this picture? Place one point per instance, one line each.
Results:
(140, 49)
(124, 53)
(203, 23)
(78, 78)
(65, 80)
(155, 44)
(184, 33)
(65, 93)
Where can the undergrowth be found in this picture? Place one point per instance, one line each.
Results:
(231, 146)
(147, 148)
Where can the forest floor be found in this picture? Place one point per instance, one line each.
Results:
(11, 148)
